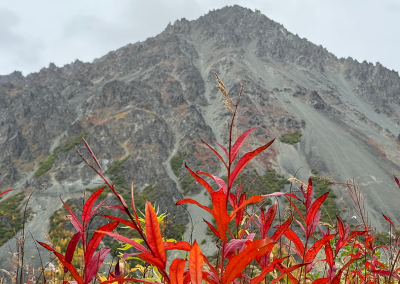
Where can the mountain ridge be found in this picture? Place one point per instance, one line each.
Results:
(151, 100)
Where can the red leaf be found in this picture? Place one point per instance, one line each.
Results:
(281, 229)
(329, 254)
(239, 142)
(215, 152)
(253, 199)
(87, 207)
(212, 268)
(220, 182)
(244, 161)
(176, 271)
(196, 264)
(314, 208)
(96, 239)
(239, 214)
(67, 265)
(191, 201)
(222, 147)
(134, 244)
(91, 153)
(397, 181)
(95, 209)
(95, 263)
(260, 278)
(123, 221)
(128, 279)
(292, 236)
(153, 234)
(388, 219)
(4, 192)
(321, 281)
(340, 227)
(236, 264)
(179, 246)
(74, 220)
(309, 194)
(71, 248)
(269, 218)
(220, 213)
(297, 209)
(148, 257)
(200, 180)
(134, 207)
(312, 251)
(216, 233)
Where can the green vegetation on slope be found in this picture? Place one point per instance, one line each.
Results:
(11, 217)
(291, 138)
(47, 164)
(177, 161)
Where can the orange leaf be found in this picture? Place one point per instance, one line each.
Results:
(191, 201)
(176, 271)
(179, 246)
(200, 180)
(196, 264)
(220, 213)
(240, 261)
(153, 234)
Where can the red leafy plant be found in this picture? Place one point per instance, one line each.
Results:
(348, 257)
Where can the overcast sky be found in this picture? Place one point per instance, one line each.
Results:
(35, 33)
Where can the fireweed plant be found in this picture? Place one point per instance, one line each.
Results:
(333, 255)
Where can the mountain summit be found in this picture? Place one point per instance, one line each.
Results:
(145, 108)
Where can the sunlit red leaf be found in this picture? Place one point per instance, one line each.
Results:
(254, 250)
(253, 199)
(176, 271)
(292, 236)
(216, 233)
(74, 220)
(295, 208)
(269, 218)
(153, 233)
(148, 257)
(312, 251)
(239, 214)
(71, 248)
(281, 229)
(397, 181)
(4, 192)
(128, 279)
(239, 142)
(96, 239)
(315, 207)
(122, 221)
(196, 264)
(178, 246)
(220, 213)
(244, 161)
(309, 194)
(87, 207)
(222, 147)
(329, 254)
(124, 239)
(191, 201)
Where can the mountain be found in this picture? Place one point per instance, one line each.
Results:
(145, 108)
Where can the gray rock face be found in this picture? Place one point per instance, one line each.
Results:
(147, 101)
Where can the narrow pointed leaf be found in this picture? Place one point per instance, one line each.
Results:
(74, 220)
(95, 263)
(67, 265)
(269, 218)
(128, 279)
(244, 161)
(220, 213)
(216, 153)
(4, 192)
(91, 153)
(239, 262)
(297, 209)
(134, 244)
(329, 254)
(281, 229)
(315, 207)
(96, 239)
(134, 207)
(87, 207)
(239, 142)
(148, 257)
(123, 221)
(153, 234)
(309, 194)
(95, 209)
(191, 201)
(388, 219)
(215, 231)
(220, 182)
(69, 254)
(176, 271)
(196, 264)
(397, 181)
(222, 147)
(182, 245)
(253, 199)
(312, 251)
(292, 236)
(200, 180)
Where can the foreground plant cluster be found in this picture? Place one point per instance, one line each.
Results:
(254, 244)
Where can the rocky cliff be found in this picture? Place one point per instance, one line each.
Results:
(151, 102)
